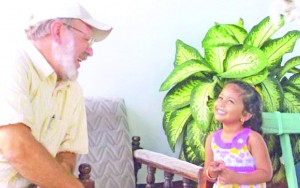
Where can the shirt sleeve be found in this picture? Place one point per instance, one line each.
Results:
(15, 106)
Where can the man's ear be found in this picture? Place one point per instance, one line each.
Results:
(55, 31)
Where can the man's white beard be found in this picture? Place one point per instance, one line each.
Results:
(64, 56)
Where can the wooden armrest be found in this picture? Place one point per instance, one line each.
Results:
(154, 160)
(168, 164)
(173, 166)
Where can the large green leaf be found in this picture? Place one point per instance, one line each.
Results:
(215, 57)
(196, 137)
(179, 96)
(240, 23)
(290, 64)
(182, 72)
(177, 122)
(194, 142)
(190, 154)
(166, 119)
(239, 33)
(186, 52)
(293, 84)
(213, 123)
(276, 66)
(261, 32)
(218, 36)
(292, 89)
(295, 80)
(276, 48)
(291, 103)
(272, 95)
(257, 78)
(243, 61)
(199, 107)
(294, 70)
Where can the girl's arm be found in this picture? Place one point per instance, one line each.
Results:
(209, 158)
(259, 151)
(263, 172)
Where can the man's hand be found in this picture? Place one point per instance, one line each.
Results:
(67, 160)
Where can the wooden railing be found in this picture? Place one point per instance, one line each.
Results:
(191, 174)
(84, 175)
(171, 166)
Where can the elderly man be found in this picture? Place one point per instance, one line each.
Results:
(42, 114)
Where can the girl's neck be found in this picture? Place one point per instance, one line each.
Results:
(232, 129)
(229, 132)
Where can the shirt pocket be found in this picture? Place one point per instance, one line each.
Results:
(53, 135)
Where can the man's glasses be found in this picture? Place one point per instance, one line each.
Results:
(90, 41)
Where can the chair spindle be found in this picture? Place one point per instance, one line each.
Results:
(84, 175)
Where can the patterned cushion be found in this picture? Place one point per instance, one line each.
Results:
(110, 152)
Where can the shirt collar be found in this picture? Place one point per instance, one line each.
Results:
(42, 66)
(38, 60)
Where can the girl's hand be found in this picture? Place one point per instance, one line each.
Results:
(217, 166)
(227, 176)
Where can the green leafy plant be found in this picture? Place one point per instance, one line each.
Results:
(230, 52)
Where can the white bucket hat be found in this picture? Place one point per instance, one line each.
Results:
(52, 9)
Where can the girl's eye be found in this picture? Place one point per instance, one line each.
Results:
(231, 101)
(220, 98)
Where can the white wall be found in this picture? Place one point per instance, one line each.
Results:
(139, 53)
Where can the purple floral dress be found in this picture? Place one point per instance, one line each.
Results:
(235, 155)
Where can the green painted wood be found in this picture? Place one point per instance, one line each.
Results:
(284, 124)
(288, 159)
(290, 123)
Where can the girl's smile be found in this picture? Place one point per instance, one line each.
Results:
(229, 107)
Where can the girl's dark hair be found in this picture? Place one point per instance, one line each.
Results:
(252, 104)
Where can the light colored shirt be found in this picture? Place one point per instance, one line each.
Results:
(55, 111)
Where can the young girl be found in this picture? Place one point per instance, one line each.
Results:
(236, 155)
